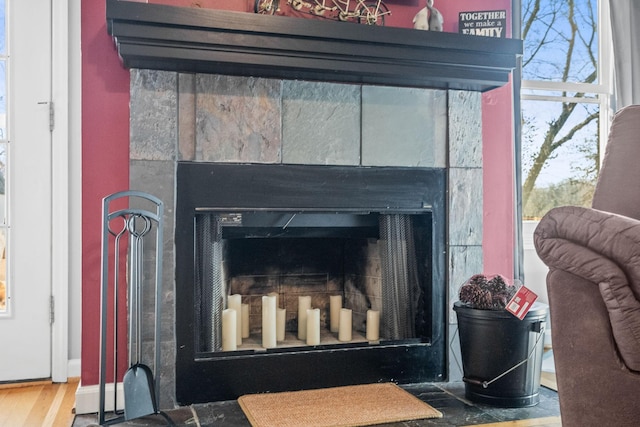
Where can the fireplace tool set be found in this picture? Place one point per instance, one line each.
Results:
(371, 12)
(124, 257)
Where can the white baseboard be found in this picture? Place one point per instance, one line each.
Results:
(88, 398)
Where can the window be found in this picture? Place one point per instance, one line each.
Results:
(565, 101)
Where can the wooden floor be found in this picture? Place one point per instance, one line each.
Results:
(38, 404)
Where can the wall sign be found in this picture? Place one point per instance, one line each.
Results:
(490, 23)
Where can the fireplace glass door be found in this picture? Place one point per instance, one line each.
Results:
(338, 279)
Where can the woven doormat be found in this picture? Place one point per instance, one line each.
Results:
(350, 406)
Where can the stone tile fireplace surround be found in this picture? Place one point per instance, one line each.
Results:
(209, 118)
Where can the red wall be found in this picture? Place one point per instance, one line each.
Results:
(105, 157)
(105, 161)
(105, 146)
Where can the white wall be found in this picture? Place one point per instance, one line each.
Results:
(535, 271)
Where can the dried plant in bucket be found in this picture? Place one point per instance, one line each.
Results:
(487, 293)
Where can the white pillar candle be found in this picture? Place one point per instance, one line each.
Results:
(281, 321)
(304, 303)
(275, 294)
(373, 325)
(234, 302)
(268, 321)
(335, 304)
(229, 330)
(245, 321)
(313, 326)
(344, 334)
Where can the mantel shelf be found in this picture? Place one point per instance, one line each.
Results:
(195, 40)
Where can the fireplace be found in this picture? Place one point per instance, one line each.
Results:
(308, 230)
(357, 125)
(337, 186)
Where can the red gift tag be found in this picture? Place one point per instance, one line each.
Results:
(521, 302)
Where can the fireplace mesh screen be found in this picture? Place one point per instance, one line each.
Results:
(400, 282)
(209, 301)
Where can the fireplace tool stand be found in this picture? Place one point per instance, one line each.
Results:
(125, 231)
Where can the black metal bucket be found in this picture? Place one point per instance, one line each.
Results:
(502, 355)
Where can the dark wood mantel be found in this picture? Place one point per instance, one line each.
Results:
(198, 40)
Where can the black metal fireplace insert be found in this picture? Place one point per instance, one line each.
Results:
(319, 220)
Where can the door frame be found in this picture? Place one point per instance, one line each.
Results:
(60, 194)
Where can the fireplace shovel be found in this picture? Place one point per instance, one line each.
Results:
(140, 397)
(139, 394)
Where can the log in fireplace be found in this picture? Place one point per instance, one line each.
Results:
(304, 230)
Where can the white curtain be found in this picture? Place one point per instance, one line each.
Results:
(625, 26)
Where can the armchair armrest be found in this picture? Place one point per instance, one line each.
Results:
(603, 248)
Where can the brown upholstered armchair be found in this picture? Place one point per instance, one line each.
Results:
(594, 289)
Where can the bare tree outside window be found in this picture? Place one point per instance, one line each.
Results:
(560, 110)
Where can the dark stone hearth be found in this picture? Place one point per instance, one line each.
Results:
(447, 398)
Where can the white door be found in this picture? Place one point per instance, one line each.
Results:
(25, 323)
